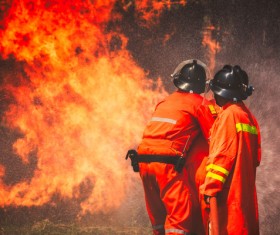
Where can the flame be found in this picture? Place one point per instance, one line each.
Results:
(79, 100)
(149, 11)
(212, 44)
(167, 38)
(74, 103)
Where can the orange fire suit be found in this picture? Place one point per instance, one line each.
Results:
(200, 175)
(234, 155)
(197, 153)
(170, 196)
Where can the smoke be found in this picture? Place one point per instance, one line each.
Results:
(266, 109)
(244, 34)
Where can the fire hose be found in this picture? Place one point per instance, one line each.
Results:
(214, 218)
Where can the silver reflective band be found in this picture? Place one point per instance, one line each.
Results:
(157, 227)
(179, 231)
(160, 119)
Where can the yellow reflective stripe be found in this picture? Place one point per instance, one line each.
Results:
(246, 128)
(215, 176)
(217, 168)
(212, 109)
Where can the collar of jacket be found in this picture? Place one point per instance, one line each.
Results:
(232, 103)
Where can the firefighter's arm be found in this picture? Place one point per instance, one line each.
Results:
(206, 115)
(222, 154)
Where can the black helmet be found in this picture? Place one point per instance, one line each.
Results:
(190, 75)
(231, 82)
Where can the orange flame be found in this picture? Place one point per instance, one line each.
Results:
(149, 10)
(75, 103)
(212, 45)
(75, 100)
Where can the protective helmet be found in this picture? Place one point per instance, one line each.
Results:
(231, 82)
(191, 75)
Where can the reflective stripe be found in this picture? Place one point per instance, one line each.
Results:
(158, 227)
(159, 119)
(217, 168)
(215, 176)
(179, 231)
(212, 109)
(246, 127)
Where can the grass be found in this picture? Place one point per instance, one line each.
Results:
(46, 227)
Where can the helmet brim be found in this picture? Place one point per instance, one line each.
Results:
(185, 86)
(228, 94)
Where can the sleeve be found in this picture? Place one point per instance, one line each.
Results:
(259, 145)
(222, 154)
(206, 115)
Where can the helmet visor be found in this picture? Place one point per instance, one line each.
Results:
(231, 94)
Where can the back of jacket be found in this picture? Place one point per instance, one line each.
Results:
(234, 155)
(174, 125)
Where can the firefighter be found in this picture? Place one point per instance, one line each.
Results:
(174, 142)
(234, 155)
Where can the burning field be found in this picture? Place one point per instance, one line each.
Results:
(78, 82)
